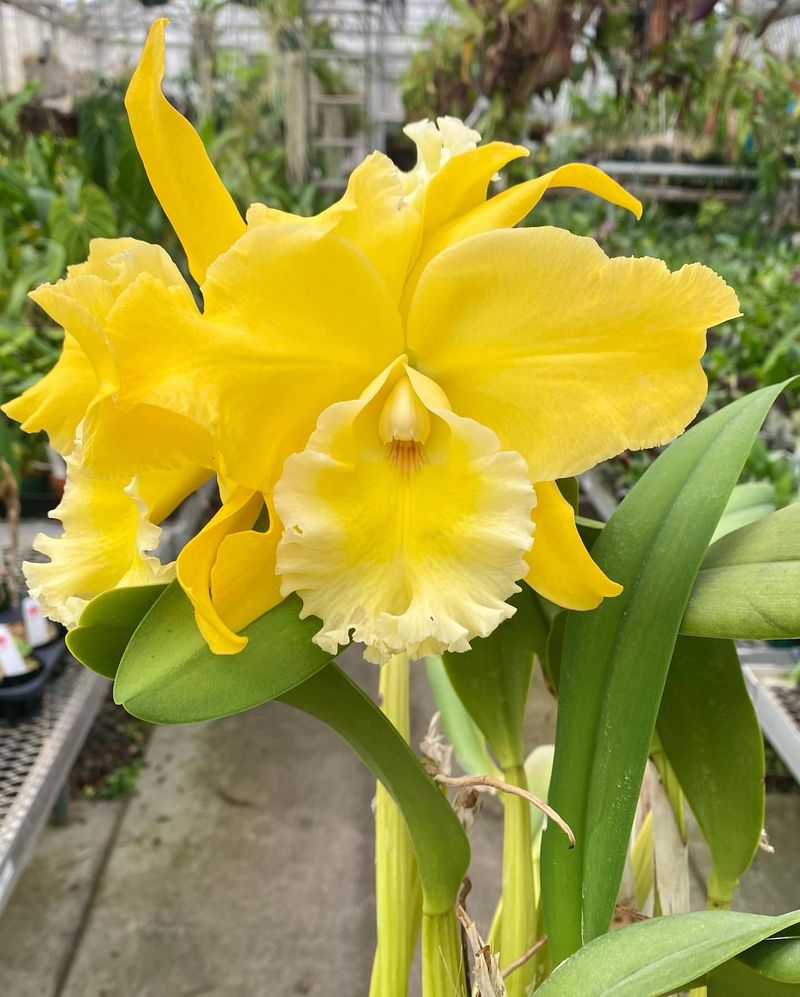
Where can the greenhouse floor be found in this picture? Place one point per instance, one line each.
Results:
(243, 866)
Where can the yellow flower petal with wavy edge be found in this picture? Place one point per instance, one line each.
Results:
(404, 526)
(81, 303)
(506, 209)
(561, 568)
(372, 214)
(569, 356)
(105, 544)
(58, 401)
(294, 320)
(197, 559)
(186, 184)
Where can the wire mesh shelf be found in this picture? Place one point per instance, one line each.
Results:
(36, 755)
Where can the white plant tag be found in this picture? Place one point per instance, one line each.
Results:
(37, 628)
(11, 661)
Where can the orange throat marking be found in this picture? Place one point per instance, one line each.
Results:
(407, 455)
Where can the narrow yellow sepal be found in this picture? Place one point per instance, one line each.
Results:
(186, 184)
(561, 568)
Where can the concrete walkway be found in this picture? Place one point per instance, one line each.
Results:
(243, 867)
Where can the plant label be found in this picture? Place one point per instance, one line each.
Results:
(11, 661)
(37, 628)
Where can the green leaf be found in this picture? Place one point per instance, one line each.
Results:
(570, 489)
(74, 226)
(615, 661)
(107, 625)
(469, 744)
(439, 841)
(492, 679)
(169, 676)
(657, 957)
(748, 503)
(735, 979)
(551, 663)
(706, 719)
(747, 587)
(776, 958)
(589, 530)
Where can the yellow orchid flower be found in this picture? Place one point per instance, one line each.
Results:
(398, 382)
(110, 523)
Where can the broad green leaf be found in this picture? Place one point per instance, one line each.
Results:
(748, 503)
(705, 720)
(776, 958)
(657, 957)
(735, 979)
(748, 586)
(461, 731)
(169, 676)
(439, 841)
(615, 661)
(492, 679)
(107, 625)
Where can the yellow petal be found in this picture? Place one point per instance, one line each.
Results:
(124, 440)
(371, 214)
(569, 356)
(81, 303)
(461, 183)
(191, 193)
(163, 491)
(105, 544)
(197, 560)
(57, 402)
(561, 569)
(244, 584)
(437, 142)
(412, 544)
(294, 319)
(504, 210)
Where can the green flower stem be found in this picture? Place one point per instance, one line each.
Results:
(518, 921)
(442, 957)
(398, 897)
(720, 893)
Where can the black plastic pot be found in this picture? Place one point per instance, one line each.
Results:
(21, 695)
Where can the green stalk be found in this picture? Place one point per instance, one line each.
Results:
(518, 922)
(442, 957)
(398, 897)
